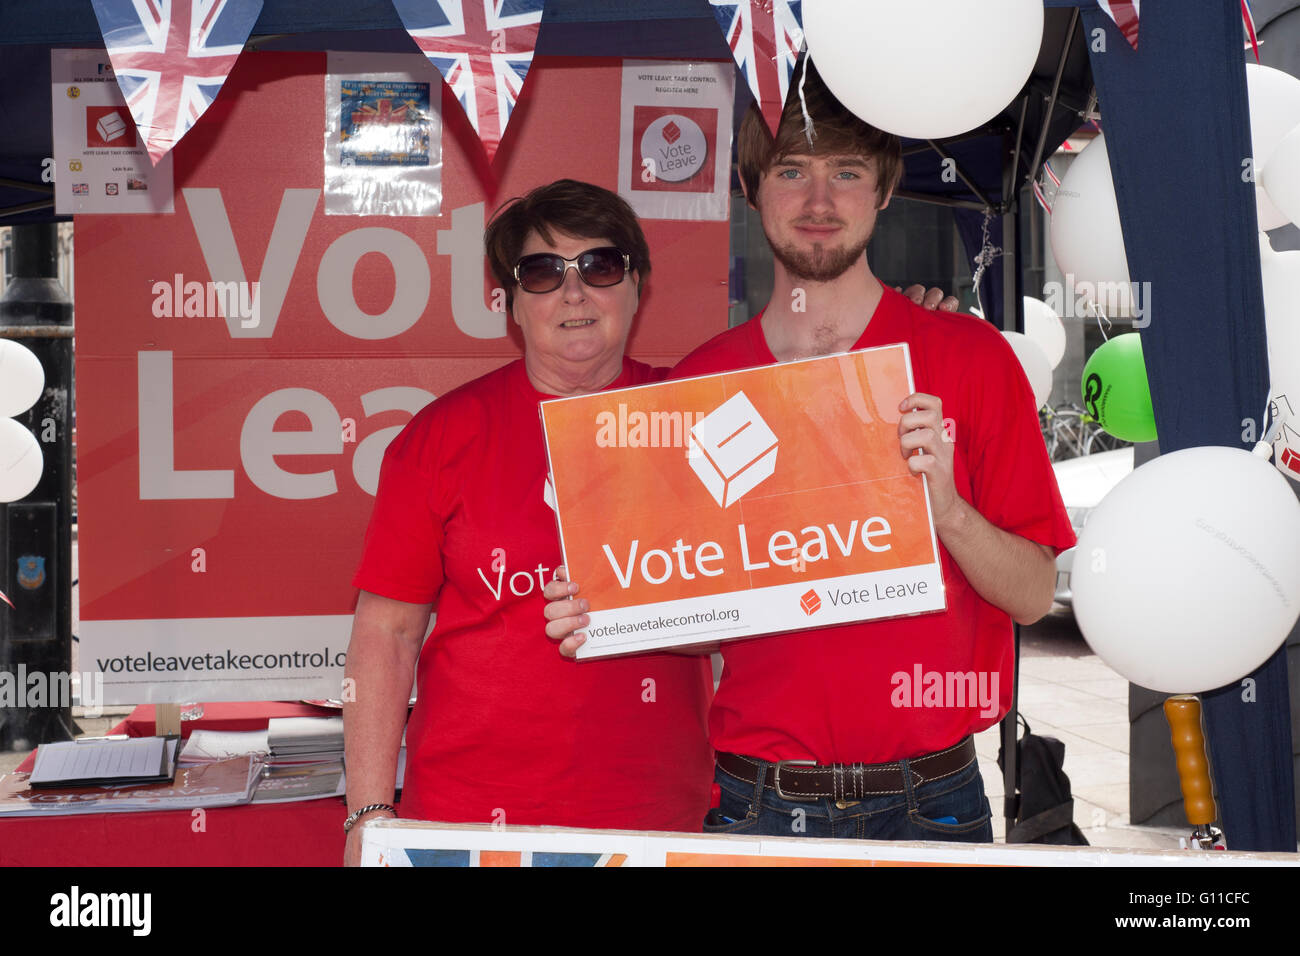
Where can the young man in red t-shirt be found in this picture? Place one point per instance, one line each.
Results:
(864, 730)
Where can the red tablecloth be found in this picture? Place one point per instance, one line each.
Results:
(309, 833)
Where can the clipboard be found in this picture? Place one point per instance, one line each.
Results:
(98, 762)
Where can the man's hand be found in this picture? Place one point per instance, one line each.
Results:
(922, 428)
(565, 613)
(930, 299)
(1010, 572)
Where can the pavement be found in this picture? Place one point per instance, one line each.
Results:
(1069, 693)
(1066, 692)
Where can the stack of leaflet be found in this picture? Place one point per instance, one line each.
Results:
(305, 739)
(306, 760)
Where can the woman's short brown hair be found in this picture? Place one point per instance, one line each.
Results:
(573, 208)
(834, 130)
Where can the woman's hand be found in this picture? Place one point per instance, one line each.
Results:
(932, 298)
(352, 850)
(565, 613)
(386, 638)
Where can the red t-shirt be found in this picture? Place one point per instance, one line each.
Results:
(858, 692)
(505, 729)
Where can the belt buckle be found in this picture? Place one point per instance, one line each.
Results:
(776, 779)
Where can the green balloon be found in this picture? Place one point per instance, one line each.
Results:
(1115, 389)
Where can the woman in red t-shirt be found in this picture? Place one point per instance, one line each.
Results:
(504, 730)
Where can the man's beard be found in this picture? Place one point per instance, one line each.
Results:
(822, 264)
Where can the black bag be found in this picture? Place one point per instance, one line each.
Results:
(1044, 808)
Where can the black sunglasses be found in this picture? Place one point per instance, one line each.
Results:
(599, 267)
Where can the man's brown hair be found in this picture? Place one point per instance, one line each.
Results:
(573, 208)
(834, 130)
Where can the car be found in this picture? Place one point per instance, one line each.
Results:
(1084, 481)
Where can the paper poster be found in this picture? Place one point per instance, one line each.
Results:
(383, 136)
(101, 164)
(675, 139)
(747, 503)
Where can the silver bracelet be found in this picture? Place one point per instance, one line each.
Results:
(356, 815)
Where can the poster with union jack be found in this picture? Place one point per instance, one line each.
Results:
(483, 49)
(765, 37)
(171, 58)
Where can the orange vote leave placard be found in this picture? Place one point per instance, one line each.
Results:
(740, 504)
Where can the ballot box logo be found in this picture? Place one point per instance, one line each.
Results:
(109, 127)
(732, 450)
(810, 602)
(674, 148)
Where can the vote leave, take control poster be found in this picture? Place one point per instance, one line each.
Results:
(244, 361)
(740, 504)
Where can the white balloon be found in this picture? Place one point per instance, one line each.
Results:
(1036, 365)
(21, 461)
(1281, 177)
(1280, 273)
(924, 68)
(21, 378)
(1187, 575)
(1087, 241)
(1045, 329)
(1274, 111)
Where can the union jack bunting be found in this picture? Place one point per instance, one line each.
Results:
(171, 58)
(483, 49)
(1248, 21)
(1125, 15)
(765, 37)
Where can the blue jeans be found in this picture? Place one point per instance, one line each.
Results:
(914, 814)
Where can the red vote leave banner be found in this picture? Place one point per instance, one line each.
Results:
(230, 432)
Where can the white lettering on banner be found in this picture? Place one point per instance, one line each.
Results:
(159, 478)
(370, 453)
(464, 243)
(334, 287)
(221, 254)
(259, 442)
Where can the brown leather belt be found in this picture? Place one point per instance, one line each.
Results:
(805, 780)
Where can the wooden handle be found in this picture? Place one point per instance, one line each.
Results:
(167, 719)
(1184, 716)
